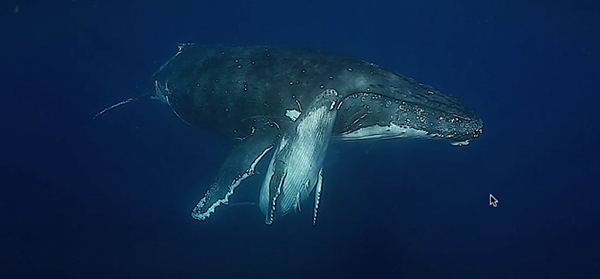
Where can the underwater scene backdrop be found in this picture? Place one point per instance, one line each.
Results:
(111, 197)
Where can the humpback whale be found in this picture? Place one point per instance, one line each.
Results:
(293, 102)
(296, 166)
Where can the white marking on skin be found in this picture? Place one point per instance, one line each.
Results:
(298, 200)
(292, 114)
(460, 143)
(359, 119)
(282, 144)
(391, 131)
(273, 124)
(249, 172)
(339, 104)
(181, 46)
(319, 188)
(332, 106)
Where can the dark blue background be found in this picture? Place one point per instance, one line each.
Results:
(111, 197)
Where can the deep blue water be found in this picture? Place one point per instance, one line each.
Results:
(111, 197)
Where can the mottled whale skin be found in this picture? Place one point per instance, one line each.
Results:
(257, 93)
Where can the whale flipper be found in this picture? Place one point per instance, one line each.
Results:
(318, 189)
(239, 165)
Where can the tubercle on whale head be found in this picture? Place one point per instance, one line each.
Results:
(472, 132)
(459, 127)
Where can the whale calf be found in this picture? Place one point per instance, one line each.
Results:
(296, 167)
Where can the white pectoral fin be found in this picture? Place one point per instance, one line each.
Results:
(239, 165)
(276, 183)
(318, 187)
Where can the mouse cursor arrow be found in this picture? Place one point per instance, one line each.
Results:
(493, 201)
